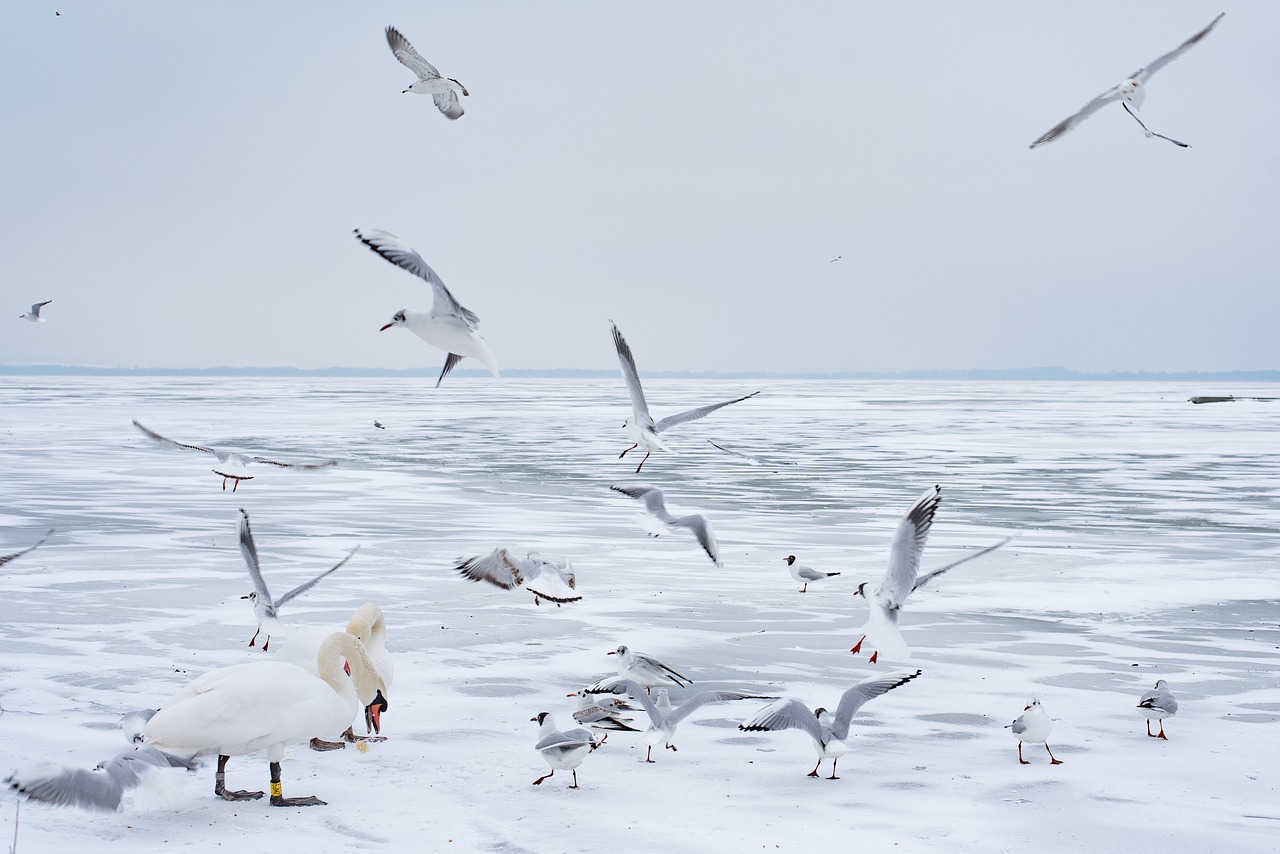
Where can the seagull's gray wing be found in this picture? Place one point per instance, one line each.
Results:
(1159, 700)
(169, 443)
(808, 573)
(700, 699)
(908, 546)
(1144, 74)
(409, 57)
(753, 460)
(35, 307)
(444, 307)
(702, 530)
(639, 406)
(6, 558)
(680, 678)
(858, 695)
(652, 498)
(576, 737)
(447, 103)
(499, 567)
(1112, 94)
(786, 713)
(100, 789)
(303, 588)
(300, 466)
(250, 552)
(551, 581)
(1019, 726)
(694, 414)
(925, 579)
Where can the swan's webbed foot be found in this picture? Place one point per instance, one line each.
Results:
(320, 744)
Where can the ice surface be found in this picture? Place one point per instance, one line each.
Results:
(1146, 548)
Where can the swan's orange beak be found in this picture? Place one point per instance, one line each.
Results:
(373, 713)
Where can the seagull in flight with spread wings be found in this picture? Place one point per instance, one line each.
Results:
(444, 90)
(1131, 91)
(641, 427)
(34, 314)
(655, 503)
(554, 582)
(231, 464)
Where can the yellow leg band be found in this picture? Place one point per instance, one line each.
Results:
(276, 791)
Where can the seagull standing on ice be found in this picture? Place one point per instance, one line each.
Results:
(448, 325)
(805, 574)
(828, 731)
(265, 608)
(697, 523)
(444, 90)
(902, 578)
(34, 314)
(231, 464)
(563, 751)
(1131, 91)
(1158, 704)
(641, 427)
(1034, 727)
(644, 670)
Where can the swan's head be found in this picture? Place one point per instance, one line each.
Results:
(397, 319)
(1133, 92)
(790, 559)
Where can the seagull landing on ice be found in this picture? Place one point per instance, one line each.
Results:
(448, 325)
(34, 314)
(443, 89)
(1131, 91)
(641, 427)
(231, 464)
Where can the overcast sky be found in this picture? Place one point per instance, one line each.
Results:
(182, 180)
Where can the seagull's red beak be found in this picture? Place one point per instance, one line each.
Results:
(612, 652)
(385, 328)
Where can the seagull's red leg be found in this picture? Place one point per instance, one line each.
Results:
(642, 462)
(1052, 760)
(857, 647)
(814, 772)
(538, 782)
(648, 757)
(1161, 735)
(1020, 759)
(632, 448)
(872, 659)
(575, 778)
(1149, 732)
(805, 588)
(258, 632)
(266, 643)
(833, 769)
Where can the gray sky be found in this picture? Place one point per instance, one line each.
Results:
(182, 180)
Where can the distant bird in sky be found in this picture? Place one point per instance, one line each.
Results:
(697, 523)
(641, 426)
(805, 574)
(837, 258)
(378, 424)
(1131, 91)
(231, 464)
(448, 325)
(265, 607)
(1033, 726)
(828, 731)
(6, 558)
(444, 90)
(34, 314)
(1158, 704)
(902, 577)
(554, 582)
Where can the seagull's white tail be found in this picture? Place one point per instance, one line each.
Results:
(883, 635)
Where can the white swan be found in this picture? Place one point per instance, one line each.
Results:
(247, 708)
(369, 627)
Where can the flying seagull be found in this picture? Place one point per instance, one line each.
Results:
(231, 464)
(695, 522)
(266, 608)
(554, 582)
(641, 668)
(448, 325)
(444, 90)
(903, 578)
(641, 426)
(34, 314)
(1131, 91)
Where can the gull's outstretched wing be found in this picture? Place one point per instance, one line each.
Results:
(6, 558)
(925, 579)
(103, 788)
(499, 567)
(700, 699)
(786, 713)
(908, 546)
(300, 466)
(858, 695)
(444, 307)
(409, 57)
(639, 406)
(169, 443)
(1070, 122)
(250, 552)
(653, 500)
(694, 414)
(702, 530)
(447, 103)
(1144, 74)
(303, 588)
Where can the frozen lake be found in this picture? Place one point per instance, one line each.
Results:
(1148, 540)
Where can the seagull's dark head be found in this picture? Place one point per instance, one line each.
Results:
(540, 717)
(622, 650)
(397, 319)
(790, 559)
(252, 597)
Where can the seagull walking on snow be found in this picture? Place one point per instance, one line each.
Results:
(1158, 704)
(1034, 727)
(1131, 91)
(34, 314)
(903, 578)
(448, 325)
(828, 731)
(444, 90)
(231, 464)
(641, 427)
(266, 608)
(563, 751)
(697, 523)
(554, 582)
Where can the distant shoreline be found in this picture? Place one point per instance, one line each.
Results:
(1028, 374)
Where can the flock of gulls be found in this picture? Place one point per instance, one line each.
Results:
(266, 706)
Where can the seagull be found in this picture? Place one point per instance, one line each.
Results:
(663, 717)
(903, 578)
(1158, 704)
(805, 574)
(6, 558)
(641, 426)
(644, 670)
(562, 750)
(378, 424)
(265, 608)
(602, 712)
(837, 258)
(827, 731)
(442, 89)
(245, 708)
(696, 522)
(1033, 726)
(34, 314)
(231, 463)
(544, 579)
(448, 325)
(1131, 91)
